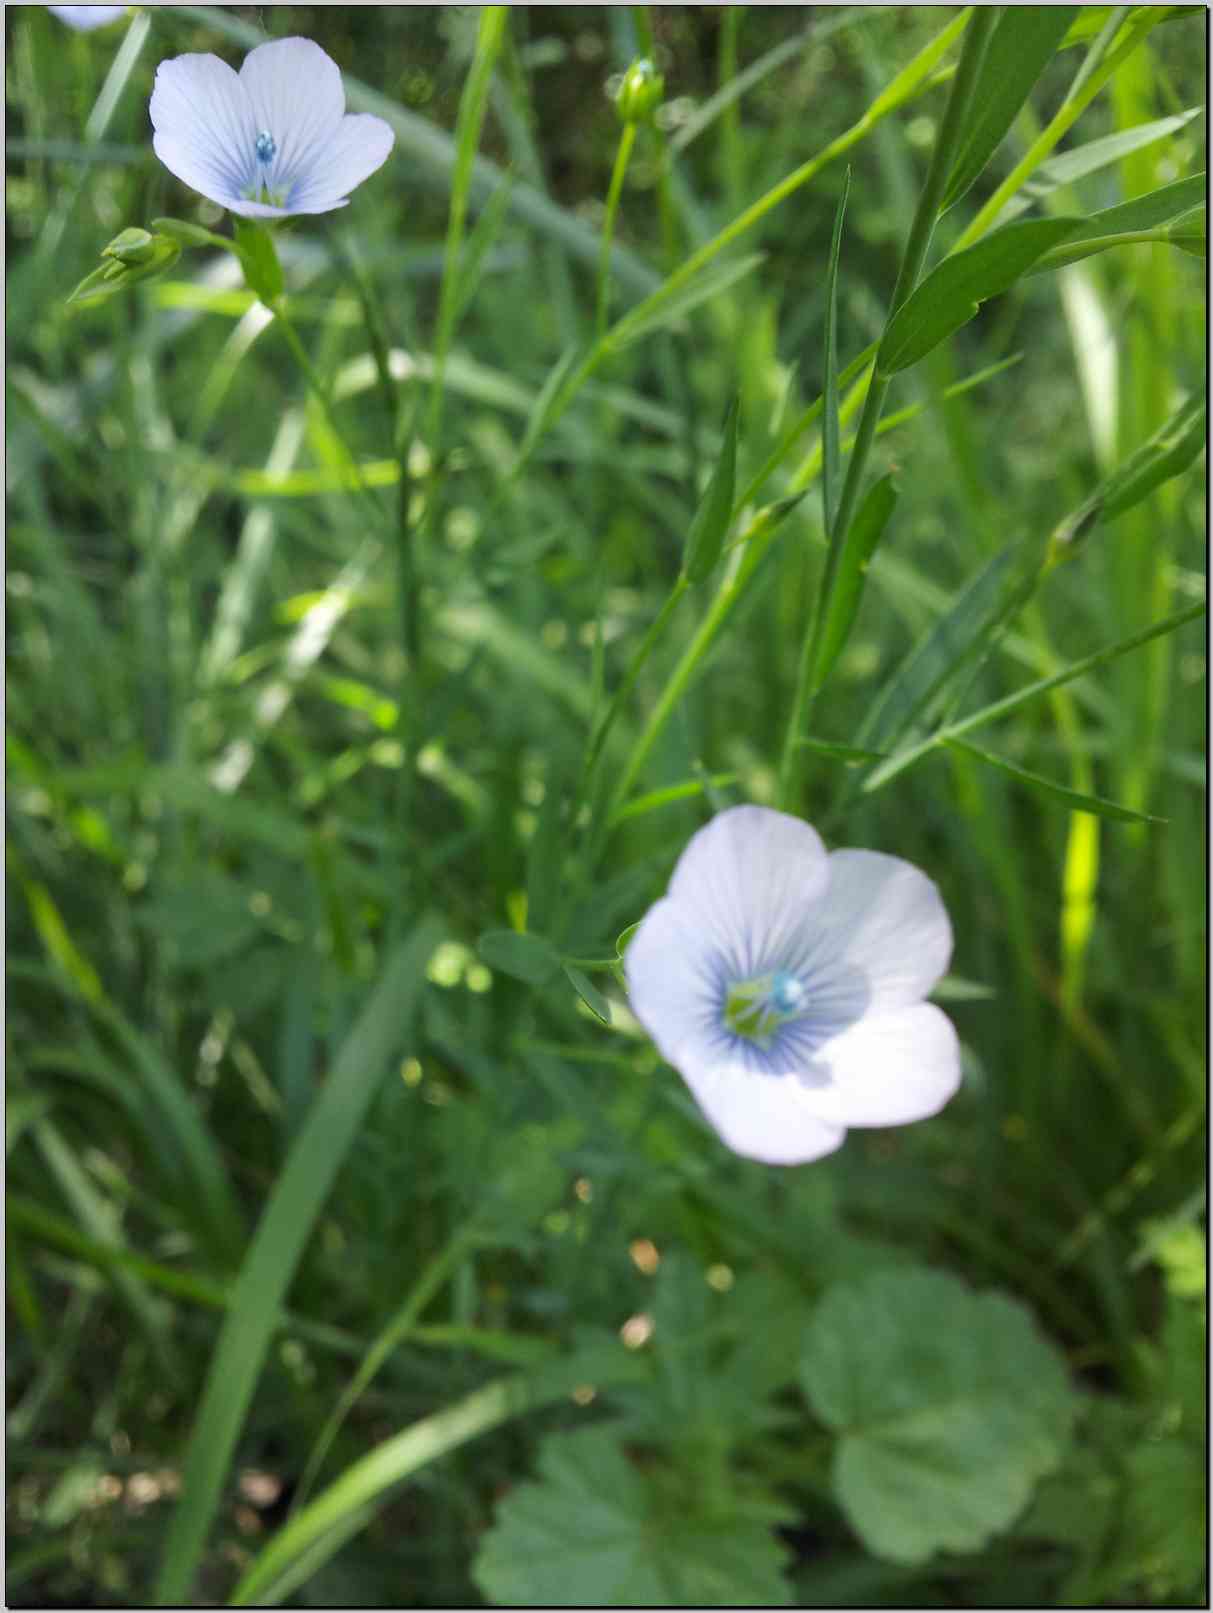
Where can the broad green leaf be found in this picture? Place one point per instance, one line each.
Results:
(710, 525)
(596, 1530)
(526, 957)
(1094, 155)
(949, 1406)
(589, 994)
(286, 1223)
(660, 311)
(1075, 799)
(1101, 232)
(831, 453)
(1022, 45)
(867, 529)
(952, 293)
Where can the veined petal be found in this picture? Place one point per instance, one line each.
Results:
(361, 144)
(886, 1070)
(879, 939)
(763, 1117)
(295, 91)
(204, 126)
(751, 879)
(676, 985)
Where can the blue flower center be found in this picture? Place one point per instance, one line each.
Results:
(755, 1009)
(265, 148)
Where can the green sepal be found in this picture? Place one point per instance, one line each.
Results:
(259, 260)
(133, 255)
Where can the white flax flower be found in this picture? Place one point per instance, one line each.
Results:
(269, 141)
(787, 984)
(85, 18)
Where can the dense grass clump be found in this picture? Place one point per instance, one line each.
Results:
(808, 417)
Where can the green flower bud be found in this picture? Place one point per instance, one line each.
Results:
(133, 246)
(640, 93)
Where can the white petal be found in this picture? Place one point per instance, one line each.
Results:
(880, 938)
(886, 1070)
(85, 18)
(295, 92)
(751, 879)
(676, 984)
(763, 1117)
(361, 144)
(204, 126)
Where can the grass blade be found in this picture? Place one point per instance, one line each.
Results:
(1074, 799)
(301, 1190)
(831, 451)
(1002, 708)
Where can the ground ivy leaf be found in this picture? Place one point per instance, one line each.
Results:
(596, 1531)
(949, 1404)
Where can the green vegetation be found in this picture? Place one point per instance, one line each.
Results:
(390, 598)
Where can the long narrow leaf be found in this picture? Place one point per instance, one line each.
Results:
(1059, 792)
(1002, 708)
(298, 1197)
(952, 293)
(866, 532)
(831, 452)
(1022, 45)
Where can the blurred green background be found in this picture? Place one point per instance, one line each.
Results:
(241, 836)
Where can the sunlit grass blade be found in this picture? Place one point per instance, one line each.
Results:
(298, 1196)
(1127, 223)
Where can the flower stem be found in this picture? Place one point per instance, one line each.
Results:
(976, 39)
(627, 140)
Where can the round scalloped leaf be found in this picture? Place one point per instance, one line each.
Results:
(595, 1531)
(950, 1406)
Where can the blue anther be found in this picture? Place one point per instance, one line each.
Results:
(265, 148)
(787, 993)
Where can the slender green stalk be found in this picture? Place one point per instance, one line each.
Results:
(397, 1330)
(627, 140)
(472, 107)
(977, 38)
(918, 76)
(628, 680)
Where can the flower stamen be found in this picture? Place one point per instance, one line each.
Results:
(757, 1008)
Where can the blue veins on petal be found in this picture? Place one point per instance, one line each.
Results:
(787, 985)
(273, 139)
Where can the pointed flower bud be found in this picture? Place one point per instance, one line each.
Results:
(640, 93)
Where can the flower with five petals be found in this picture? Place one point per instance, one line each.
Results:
(272, 140)
(787, 984)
